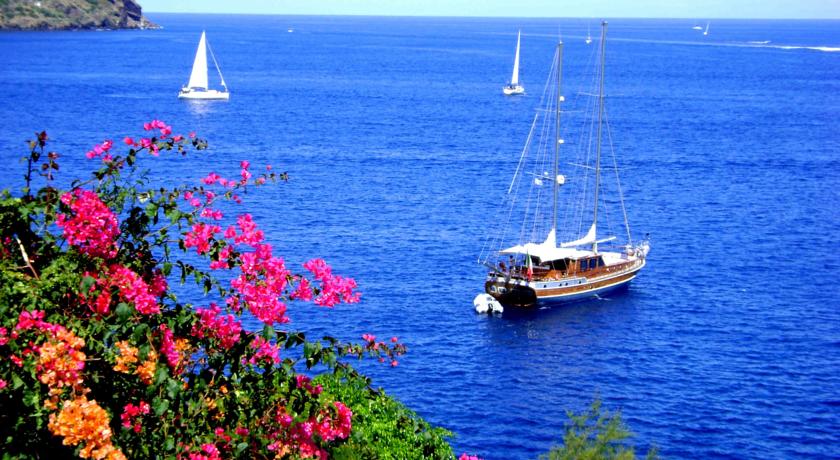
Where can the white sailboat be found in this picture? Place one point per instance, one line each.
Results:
(706, 32)
(197, 87)
(514, 87)
(588, 35)
(548, 248)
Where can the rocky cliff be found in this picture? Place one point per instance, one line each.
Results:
(72, 14)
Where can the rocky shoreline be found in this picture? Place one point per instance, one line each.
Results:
(72, 15)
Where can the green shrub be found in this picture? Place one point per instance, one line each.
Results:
(595, 435)
(383, 428)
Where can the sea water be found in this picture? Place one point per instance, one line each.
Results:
(400, 144)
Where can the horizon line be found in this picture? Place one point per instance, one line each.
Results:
(500, 17)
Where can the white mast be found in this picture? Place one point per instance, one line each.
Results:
(514, 79)
(598, 150)
(198, 77)
(557, 139)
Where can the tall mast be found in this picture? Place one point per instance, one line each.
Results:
(557, 134)
(600, 117)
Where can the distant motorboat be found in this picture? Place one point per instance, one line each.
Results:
(514, 87)
(706, 32)
(697, 27)
(290, 30)
(197, 87)
(759, 42)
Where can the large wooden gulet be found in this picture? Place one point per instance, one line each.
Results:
(538, 270)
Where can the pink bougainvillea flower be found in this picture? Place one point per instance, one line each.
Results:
(92, 227)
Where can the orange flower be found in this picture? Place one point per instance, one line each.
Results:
(146, 371)
(128, 358)
(128, 355)
(60, 361)
(82, 421)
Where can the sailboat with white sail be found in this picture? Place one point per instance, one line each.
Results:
(514, 87)
(548, 247)
(588, 35)
(706, 32)
(198, 86)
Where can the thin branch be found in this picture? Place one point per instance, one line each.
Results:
(26, 257)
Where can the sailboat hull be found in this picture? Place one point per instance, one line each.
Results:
(514, 291)
(513, 90)
(211, 94)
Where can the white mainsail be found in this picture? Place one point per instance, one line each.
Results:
(198, 77)
(514, 79)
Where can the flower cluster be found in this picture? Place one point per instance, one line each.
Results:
(101, 150)
(82, 421)
(150, 144)
(131, 288)
(213, 324)
(208, 452)
(60, 360)
(127, 362)
(393, 351)
(174, 349)
(111, 288)
(92, 227)
(265, 351)
(305, 382)
(131, 416)
(199, 237)
(299, 437)
(334, 288)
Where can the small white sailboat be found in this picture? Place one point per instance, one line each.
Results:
(514, 87)
(706, 32)
(549, 248)
(588, 35)
(197, 87)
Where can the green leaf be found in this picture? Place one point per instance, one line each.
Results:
(160, 406)
(124, 311)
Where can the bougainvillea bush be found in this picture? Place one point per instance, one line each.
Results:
(100, 359)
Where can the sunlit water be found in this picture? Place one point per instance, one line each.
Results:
(399, 143)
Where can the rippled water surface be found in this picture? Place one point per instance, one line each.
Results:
(399, 144)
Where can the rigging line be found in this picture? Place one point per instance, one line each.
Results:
(618, 182)
(524, 150)
(496, 239)
(218, 69)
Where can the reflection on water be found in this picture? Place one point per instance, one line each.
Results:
(201, 108)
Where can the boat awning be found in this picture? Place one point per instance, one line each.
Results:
(548, 250)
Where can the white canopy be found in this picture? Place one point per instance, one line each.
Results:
(548, 250)
(588, 239)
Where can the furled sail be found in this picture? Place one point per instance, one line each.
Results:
(514, 79)
(198, 77)
(589, 238)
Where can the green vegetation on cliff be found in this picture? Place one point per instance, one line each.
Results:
(72, 14)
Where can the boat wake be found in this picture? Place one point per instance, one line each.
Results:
(827, 49)
(746, 44)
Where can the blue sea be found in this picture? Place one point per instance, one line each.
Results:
(400, 145)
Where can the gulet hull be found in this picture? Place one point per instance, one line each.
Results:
(520, 293)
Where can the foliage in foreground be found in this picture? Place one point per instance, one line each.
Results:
(595, 435)
(383, 428)
(100, 359)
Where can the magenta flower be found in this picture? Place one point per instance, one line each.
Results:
(92, 227)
